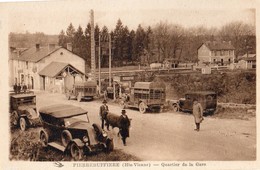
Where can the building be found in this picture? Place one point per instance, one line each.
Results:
(247, 61)
(45, 68)
(213, 52)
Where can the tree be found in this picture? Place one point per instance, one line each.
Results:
(70, 33)
(79, 43)
(118, 43)
(241, 36)
(62, 39)
(139, 43)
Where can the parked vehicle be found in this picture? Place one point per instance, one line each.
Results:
(207, 99)
(82, 90)
(67, 128)
(146, 95)
(23, 110)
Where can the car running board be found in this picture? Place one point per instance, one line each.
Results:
(57, 146)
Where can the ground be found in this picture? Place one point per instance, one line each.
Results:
(165, 136)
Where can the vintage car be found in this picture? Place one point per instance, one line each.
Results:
(23, 110)
(146, 95)
(67, 128)
(207, 99)
(82, 90)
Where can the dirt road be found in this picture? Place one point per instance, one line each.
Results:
(170, 136)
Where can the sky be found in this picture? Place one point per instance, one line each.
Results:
(51, 17)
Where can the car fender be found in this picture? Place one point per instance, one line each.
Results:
(78, 142)
(142, 101)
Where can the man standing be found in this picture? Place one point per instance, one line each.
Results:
(124, 126)
(197, 113)
(103, 111)
(15, 88)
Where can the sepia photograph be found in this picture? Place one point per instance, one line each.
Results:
(143, 84)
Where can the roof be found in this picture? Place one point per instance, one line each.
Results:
(248, 57)
(62, 110)
(214, 45)
(34, 55)
(22, 95)
(201, 92)
(55, 68)
(149, 85)
(86, 83)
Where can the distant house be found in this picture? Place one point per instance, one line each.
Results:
(247, 61)
(45, 68)
(213, 52)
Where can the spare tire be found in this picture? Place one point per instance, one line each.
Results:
(66, 137)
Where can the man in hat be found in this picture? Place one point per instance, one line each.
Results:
(124, 126)
(197, 113)
(103, 111)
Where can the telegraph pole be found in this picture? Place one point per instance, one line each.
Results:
(93, 61)
(99, 65)
(110, 83)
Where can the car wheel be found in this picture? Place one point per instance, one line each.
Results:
(79, 97)
(44, 138)
(23, 125)
(66, 137)
(76, 151)
(110, 145)
(14, 118)
(175, 107)
(122, 105)
(142, 107)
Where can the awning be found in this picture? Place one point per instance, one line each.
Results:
(55, 69)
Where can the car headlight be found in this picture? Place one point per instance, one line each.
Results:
(85, 139)
(104, 134)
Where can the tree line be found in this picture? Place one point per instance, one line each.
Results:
(154, 44)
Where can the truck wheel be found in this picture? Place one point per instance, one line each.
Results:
(15, 118)
(79, 97)
(23, 125)
(175, 107)
(76, 151)
(122, 105)
(66, 137)
(142, 107)
(44, 138)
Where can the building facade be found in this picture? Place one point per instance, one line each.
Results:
(45, 68)
(212, 52)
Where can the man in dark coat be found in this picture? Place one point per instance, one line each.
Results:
(197, 113)
(19, 88)
(124, 126)
(103, 111)
(15, 88)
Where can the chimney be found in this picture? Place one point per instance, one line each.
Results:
(51, 47)
(69, 46)
(37, 47)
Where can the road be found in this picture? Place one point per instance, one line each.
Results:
(170, 136)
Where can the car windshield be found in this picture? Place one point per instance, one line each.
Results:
(75, 119)
(26, 100)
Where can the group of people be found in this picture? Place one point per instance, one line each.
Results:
(19, 88)
(123, 121)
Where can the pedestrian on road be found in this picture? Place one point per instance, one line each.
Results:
(105, 95)
(103, 111)
(197, 113)
(15, 88)
(19, 88)
(24, 88)
(124, 126)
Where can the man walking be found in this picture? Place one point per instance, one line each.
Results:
(197, 113)
(103, 111)
(124, 126)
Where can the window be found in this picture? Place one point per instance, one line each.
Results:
(26, 64)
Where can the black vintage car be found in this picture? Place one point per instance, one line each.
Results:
(23, 110)
(67, 128)
(207, 99)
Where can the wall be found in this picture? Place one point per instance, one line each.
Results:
(204, 54)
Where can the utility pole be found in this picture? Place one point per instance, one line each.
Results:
(93, 60)
(99, 65)
(110, 82)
